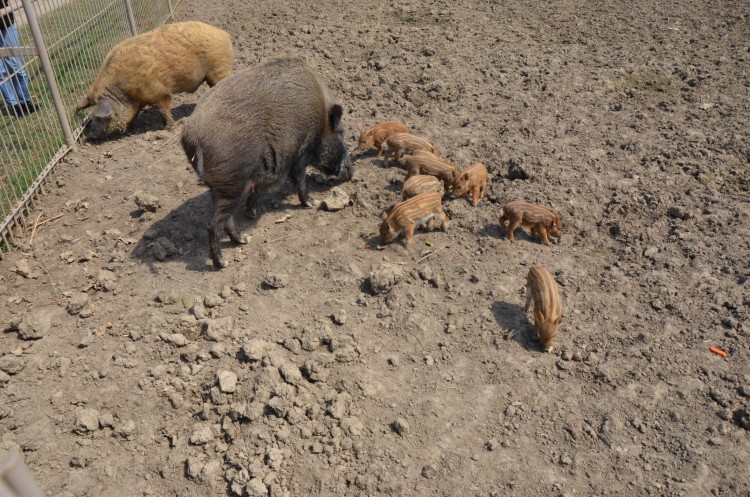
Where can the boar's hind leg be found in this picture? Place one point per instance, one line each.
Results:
(221, 221)
(164, 106)
(298, 178)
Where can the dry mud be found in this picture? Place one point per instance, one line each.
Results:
(129, 367)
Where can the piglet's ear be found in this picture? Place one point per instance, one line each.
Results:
(335, 116)
(560, 319)
(384, 216)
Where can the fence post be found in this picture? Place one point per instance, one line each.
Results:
(49, 74)
(131, 19)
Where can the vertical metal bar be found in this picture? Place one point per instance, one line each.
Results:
(48, 73)
(171, 9)
(131, 19)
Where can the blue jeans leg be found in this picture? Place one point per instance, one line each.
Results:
(13, 78)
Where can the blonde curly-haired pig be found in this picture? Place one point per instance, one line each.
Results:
(149, 68)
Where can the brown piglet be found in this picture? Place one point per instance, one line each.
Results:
(539, 219)
(421, 183)
(541, 290)
(472, 180)
(421, 209)
(399, 143)
(427, 163)
(378, 134)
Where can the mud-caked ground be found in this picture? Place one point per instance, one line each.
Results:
(316, 364)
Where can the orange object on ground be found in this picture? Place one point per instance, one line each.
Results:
(718, 351)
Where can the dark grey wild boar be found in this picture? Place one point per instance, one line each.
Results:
(257, 128)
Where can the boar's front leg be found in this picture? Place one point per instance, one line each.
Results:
(298, 178)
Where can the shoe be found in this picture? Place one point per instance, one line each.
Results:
(23, 109)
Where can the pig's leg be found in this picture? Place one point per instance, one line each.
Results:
(409, 233)
(298, 178)
(164, 106)
(528, 297)
(251, 206)
(443, 220)
(512, 227)
(223, 208)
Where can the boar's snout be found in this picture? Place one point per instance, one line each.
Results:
(101, 120)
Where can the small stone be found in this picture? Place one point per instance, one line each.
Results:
(290, 373)
(106, 420)
(213, 301)
(176, 339)
(650, 252)
(401, 426)
(78, 303)
(146, 202)
(340, 317)
(227, 381)
(126, 429)
(657, 304)
(428, 472)
(565, 460)
(24, 269)
(87, 420)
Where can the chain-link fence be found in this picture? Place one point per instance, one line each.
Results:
(50, 53)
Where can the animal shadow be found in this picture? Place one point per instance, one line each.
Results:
(149, 119)
(513, 317)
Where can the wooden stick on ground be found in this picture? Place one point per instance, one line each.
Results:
(432, 253)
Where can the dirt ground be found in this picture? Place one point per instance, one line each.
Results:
(130, 367)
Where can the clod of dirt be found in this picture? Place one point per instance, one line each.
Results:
(125, 430)
(202, 434)
(12, 364)
(213, 301)
(340, 317)
(254, 350)
(146, 202)
(741, 417)
(401, 426)
(163, 248)
(87, 420)
(218, 329)
(274, 281)
(385, 277)
(106, 280)
(36, 324)
(227, 381)
(337, 200)
(176, 339)
(24, 269)
(78, 303)
(256, 488)
(515, 171)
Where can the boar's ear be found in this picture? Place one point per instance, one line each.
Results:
(335, 116)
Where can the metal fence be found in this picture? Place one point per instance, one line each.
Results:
(50, 53)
